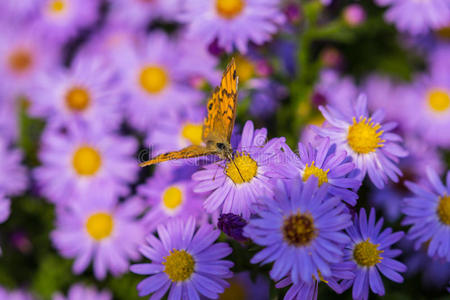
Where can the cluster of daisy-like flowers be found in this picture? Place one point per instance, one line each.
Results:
(109, 78)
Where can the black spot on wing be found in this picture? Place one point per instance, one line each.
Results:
(234, 75)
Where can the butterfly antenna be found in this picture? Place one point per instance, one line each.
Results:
(231, 159)
(218, 166)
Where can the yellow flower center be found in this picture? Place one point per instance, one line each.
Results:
(179, 265)
(443, 210)
(367, 254)
(57, 6)
(318, 172)
(100, 225)
(242, 169)
(193, 133)
(229, 9)
(172, 197)
(20, 61)
(364, 136)
(77, 99)
(438, 100)
(236, 291)
(245, 68)
(298, 230)
(153, 79)
(86, 161)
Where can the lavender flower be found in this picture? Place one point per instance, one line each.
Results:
(301, 230)
(184, 261)
(374, 149)
(370, 252)
(428, 211)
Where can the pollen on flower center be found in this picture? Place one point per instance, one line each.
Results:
(86, 161)
(193, 133)
(229, 9)
(367, 254)
(364, 136)
(20, 61)
(172, 197)
(57, 6)
(315, 171)
(298, 230)
(438, 100)
(77, 99)
(245, 171)
(100, 225)
(153, 79)
(443, 210)
(179, 265)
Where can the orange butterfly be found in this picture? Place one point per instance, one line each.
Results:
(217, 126)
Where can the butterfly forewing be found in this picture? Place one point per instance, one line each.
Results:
(188, 152)
(222, 107)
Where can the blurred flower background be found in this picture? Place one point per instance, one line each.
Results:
(342, 147)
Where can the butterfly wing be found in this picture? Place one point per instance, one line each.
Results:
(211, 120)
(188, 152)
(222, 107)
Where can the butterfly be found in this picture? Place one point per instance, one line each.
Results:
(217, 126)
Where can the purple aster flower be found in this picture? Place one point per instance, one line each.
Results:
(329, 166)
(301, 230)
(22, 58)
(336, 90)
(308, 291)
(153, 82)
(233, 23)
(232, 225)
(428, 108)
(170, 196)
(5, 208)
(15, 294)
(99, 230)
(370, 252)
(374, 149)
(428, 211)
(184, 261)
(77, 162)
(417, 17)
(83, 94)
(138, 13)
(242, 286)
(236, 186)
(59, 20)
(13, 176)
(81, 292)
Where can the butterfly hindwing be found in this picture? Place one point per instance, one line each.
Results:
(188, 152)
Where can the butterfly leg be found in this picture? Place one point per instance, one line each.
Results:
(218, 164)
